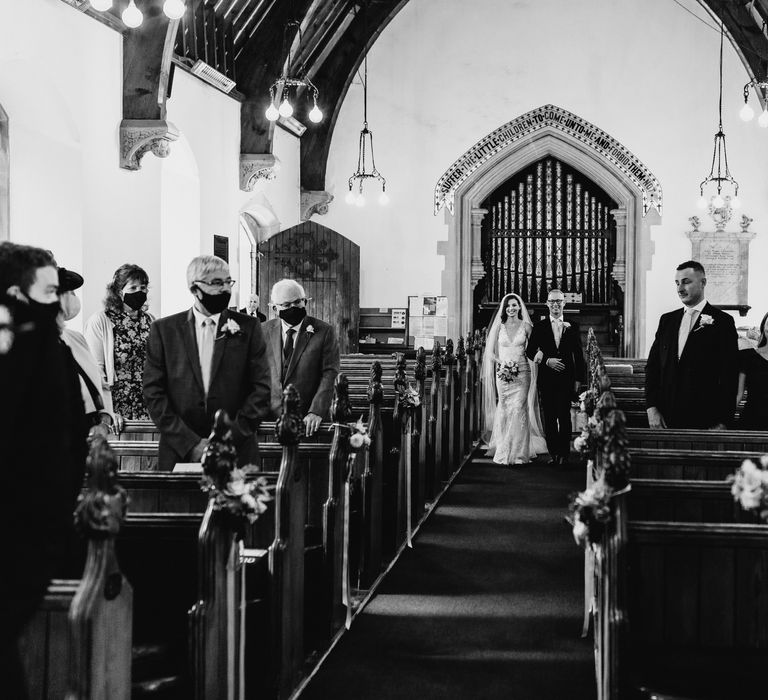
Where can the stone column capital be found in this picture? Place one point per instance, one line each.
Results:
(478, 214)
(137, 136)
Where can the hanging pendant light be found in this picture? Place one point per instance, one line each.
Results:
(174, 9)
(280, 91)
(132, 16)
(719, 173)
(365, 145)
(101, 5)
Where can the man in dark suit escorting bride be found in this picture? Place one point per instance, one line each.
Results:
(555, 345)
(692, 372)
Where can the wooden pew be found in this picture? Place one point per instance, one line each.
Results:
(689, 601)
(78, 645)
(684, 440)
(674, 500)
(702, 465)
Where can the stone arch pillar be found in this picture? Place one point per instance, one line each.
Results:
(5, 179)
(548, 130)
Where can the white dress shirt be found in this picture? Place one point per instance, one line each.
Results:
(557, 328)
(690, 314)
(285, 328)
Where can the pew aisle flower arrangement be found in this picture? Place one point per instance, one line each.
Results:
(359, 438)
(507, 371)
(590, 512)
(410, 398)
(237, 495)
(749, 486)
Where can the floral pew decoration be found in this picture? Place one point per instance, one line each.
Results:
(749, 487)
(228, 485)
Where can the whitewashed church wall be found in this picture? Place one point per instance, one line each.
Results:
(441, 78)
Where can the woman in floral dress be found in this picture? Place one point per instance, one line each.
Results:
(117, 337)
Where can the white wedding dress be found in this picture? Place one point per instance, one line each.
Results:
(511, 435)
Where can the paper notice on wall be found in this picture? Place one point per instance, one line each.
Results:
(424, 342)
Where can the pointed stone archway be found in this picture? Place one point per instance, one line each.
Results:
(5, 179)
(549, 130)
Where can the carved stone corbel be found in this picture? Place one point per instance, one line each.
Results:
(314, 202)
(256, 166)
(137, 136)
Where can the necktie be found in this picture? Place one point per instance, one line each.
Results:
(686, 323)
(288, 348)
(206, 352)
(557, 328)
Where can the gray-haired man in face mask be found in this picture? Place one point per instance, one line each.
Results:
(302, 350)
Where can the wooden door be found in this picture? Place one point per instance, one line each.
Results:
(327, 265)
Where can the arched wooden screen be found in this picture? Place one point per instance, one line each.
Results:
(549, 226)
(327, 265)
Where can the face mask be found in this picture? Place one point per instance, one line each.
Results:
(214, 303)
(70, 306)
(293, 315)
(44, 314)
(135, 300)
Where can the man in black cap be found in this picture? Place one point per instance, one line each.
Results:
(99, 420)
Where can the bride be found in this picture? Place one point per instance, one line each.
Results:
(512, 423)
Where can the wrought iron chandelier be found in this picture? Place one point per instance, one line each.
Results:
(719, 172)
(365, 144)
(747, 112)
(280, 90)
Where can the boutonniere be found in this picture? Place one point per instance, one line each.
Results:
(566, 325)
(231, 327)
(704, 321)
(309, 329)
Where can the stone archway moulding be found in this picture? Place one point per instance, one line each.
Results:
(548, 130)
(5, 177)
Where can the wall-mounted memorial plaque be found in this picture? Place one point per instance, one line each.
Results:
(724, 255)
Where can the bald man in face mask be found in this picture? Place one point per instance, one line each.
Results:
(302, 350)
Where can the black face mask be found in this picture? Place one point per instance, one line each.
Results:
(215, 303)
(135, 300)
(44, 315)
(293, 315)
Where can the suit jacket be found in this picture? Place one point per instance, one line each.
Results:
(173, 384)
(699, 389)
(312, 369)
(570, 353)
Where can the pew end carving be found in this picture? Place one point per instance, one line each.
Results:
(100, 617)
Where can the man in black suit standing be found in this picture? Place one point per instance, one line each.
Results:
(201, 360)
(302, 350)
(692, 372)
(253, 308)
(555, 345)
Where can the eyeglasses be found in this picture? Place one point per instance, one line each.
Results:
(289, 304)
(217, 283)
(556, 302)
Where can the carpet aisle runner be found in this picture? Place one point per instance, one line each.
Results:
(488, 604)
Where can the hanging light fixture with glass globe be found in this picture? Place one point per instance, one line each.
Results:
(132, 16)
(280, 91)
(365, 144)
(747, 112)
(719, 173)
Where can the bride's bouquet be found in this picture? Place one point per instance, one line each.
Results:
(507, 371)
